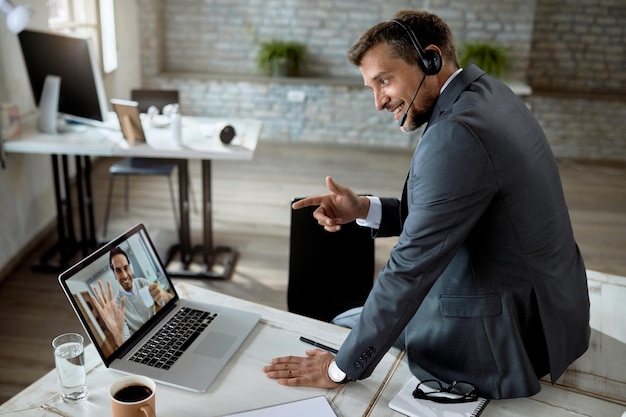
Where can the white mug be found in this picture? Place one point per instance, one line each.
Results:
(147, 299)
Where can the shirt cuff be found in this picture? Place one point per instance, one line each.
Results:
(373, 215)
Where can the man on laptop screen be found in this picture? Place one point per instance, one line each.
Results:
(115, 288)
(137, 299)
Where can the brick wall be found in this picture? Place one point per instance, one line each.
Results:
(578, 76)
(207, 50)
(579, 46)
(508, 23)
(586, 127)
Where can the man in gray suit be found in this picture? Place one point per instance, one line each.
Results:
(486, 283)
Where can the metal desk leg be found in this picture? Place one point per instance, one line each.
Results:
(209, 253)
(67, 245)
(183, 209)
(85, 205)
(81, 209)
(88, 205)
(207, 213)
(183, 248)
(66, 241)
(69, 206)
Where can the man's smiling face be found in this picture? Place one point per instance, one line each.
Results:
(394, 82)
(122, 271)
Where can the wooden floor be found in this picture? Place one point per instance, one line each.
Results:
(251, 213)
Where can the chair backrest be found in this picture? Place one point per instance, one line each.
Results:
(158, 98)
(329, 272)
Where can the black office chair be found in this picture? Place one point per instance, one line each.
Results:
(329, 272)
(156, 98)
(145, 166)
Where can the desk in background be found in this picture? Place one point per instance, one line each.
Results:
(199, 143)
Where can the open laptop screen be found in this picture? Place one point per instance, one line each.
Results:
(135, 274)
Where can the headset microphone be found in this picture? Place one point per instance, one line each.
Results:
(406, 112)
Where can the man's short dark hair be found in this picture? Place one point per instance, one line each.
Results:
(117, 251)
(429, 29)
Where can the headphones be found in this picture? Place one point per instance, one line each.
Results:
(430, 61)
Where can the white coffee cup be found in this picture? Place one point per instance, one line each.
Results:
(147, 299)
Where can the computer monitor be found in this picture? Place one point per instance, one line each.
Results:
(81, 95)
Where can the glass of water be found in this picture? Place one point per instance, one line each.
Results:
(69, 358)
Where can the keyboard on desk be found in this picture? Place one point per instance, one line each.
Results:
(164, 348)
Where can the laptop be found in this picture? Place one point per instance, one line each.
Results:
(148, 344)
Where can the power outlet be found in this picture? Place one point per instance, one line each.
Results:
(296, 96)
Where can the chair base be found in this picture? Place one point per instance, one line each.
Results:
(186, 268)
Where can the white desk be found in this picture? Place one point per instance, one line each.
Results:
(242, 385)
(199, 142)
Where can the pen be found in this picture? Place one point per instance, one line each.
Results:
(319, 345)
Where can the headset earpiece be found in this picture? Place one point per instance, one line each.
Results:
(430, 60)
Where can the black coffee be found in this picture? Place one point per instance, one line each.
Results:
(133, 393)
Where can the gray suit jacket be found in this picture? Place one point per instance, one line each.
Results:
(486, 283)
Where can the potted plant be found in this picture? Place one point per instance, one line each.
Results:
(490, 58)
(281, 59)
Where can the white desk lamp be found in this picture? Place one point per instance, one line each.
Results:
(17, 16)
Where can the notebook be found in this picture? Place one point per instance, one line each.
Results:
(310, 407)
(404, 403)
(190, 361)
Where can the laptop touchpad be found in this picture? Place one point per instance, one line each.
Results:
(215, 345)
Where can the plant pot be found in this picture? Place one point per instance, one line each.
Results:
(282, 67)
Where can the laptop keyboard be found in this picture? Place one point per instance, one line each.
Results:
(164, 348)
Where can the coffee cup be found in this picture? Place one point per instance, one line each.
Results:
(144, 293)
(133, 396)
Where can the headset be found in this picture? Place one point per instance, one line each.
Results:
(430, 61)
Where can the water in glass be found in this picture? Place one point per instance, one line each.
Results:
(70, 364)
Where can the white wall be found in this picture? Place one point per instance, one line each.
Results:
(27, 194)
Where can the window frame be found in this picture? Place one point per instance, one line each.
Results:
(91, 18)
